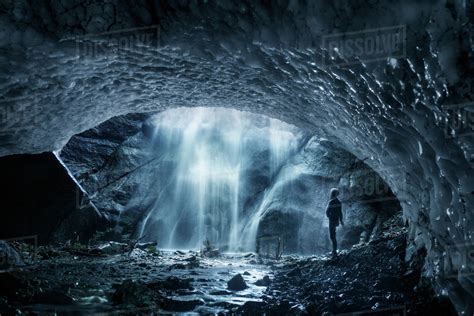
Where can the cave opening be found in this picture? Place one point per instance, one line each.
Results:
(207, 191)
(238, 181)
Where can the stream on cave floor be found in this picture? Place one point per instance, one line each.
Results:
(184, 281)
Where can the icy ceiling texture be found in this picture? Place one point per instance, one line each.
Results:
(264, 58)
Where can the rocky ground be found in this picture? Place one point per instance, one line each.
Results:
(79, 280)
(141, 281)
(369, 278)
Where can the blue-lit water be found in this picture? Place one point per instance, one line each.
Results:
(209, 156)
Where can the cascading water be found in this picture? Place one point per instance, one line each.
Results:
(250, 226)
(207, 158)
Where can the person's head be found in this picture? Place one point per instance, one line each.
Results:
(334, 193)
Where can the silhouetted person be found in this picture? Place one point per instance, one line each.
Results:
(334, 213)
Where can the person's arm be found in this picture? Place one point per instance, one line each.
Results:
(328, 207)
(340, 214)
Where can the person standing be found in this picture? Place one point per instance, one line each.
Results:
(334, 214)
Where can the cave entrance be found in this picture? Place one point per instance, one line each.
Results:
(189, 178)
(221, 182)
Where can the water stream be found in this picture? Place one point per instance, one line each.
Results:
(210, 156)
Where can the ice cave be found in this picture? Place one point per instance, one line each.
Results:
(254, 157)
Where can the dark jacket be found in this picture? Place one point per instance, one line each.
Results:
(334, 212)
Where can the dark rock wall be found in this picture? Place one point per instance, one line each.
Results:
(105, 160)
(41, 199)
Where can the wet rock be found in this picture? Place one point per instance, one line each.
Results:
(369, 276)
(112, 248)
(179, 266)
(9, 257)
(179, 305)
(265, 281)
(189, 263)
(192, 262)
(209, 251)
(251, 308)
(49, 253)
(295, 272)
(220, 292)
(172, 283)
(133, 293)
(246, 273)
(213, 253)
(53, 297)
(237, 283)
(297, 309)
(146, 245)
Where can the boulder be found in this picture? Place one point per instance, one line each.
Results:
(237, 283)
(171, 283)
(265, 281)
(133, 293)
(9, 257)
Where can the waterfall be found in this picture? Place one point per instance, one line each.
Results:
(250, 227)
(205, 158)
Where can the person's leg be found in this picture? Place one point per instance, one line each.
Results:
(332, 236)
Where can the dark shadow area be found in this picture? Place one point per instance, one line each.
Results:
(41, 200)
